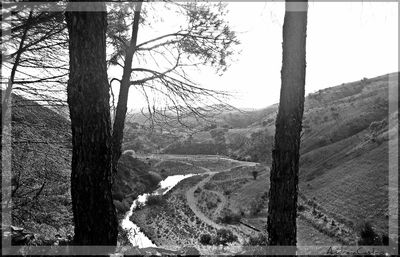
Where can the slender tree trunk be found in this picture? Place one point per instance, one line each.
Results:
(88, 99)
(6, 103)
(282, 208)
(120, 115)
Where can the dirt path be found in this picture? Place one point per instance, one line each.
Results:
(192, 200)
(158, 163)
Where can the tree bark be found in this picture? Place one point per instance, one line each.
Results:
(282, 207)
(120, 115)
(88, 99)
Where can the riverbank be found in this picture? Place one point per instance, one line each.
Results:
(172, 221)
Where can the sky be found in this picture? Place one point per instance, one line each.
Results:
(346, 41)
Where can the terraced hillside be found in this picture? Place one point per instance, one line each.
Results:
(197, 206)
(344, 150)
(344, 170)
(345, 157)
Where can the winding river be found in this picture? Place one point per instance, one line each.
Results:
(135, 235)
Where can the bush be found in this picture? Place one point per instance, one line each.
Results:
(198, 190)
(120, 207)
(229, 217)
(211, 205)
(256, 206)
(155, 178)
(314, 212)
(205, 239)
(367, 235)
(260, 239)
(139, 205)
(118, 195)
(224, 236)
(385, 239)
(155, 200)
(301, 208)
(255, 174)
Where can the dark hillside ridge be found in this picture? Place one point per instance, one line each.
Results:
(40, 182)
(41, 159)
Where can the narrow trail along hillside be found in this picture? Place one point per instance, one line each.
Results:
(192, 202)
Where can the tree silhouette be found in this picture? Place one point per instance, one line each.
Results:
(88, 99)
(281, 225)
(204, 39)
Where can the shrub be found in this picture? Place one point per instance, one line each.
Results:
(314, 212)
(211, 205)
(198, 190)
(256, 205)
(255, 174)
(118, 195)
(155, 178)
(139, 205)
(260, 239)
(367, 235)
(229, 217)
(301, 208)
(119, 206)
(385, 239)
(205, 239)
(155, 200)
(224, 236)
(126, 204)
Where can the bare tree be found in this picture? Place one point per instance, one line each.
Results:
(119, 120)
(163, 79)
(35, 57)
(282, 208)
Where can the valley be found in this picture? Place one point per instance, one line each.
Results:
(196, 205)
(343, 180)
(344, 172)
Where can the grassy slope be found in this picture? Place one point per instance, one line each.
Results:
(40, 157)
(341, 166)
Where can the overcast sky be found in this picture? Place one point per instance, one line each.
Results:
(345, 42)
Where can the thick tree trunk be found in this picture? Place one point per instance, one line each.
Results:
(282, 208)
(120, 115)
(88, 99)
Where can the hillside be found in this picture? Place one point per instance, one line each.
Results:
(40, 183)
(344, 160)
(344, 149)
